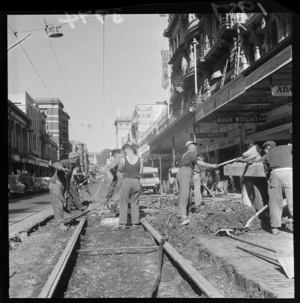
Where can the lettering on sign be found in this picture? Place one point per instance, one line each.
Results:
(282, 90)
(211, 135)
(241, 119)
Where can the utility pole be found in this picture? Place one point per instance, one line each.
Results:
(195, 64)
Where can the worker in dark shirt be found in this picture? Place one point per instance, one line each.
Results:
(131, 166)
(60, 182)
(185, 174)
(278, 168)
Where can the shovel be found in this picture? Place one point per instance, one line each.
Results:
(246, 156)
(286, 263)
(227, 232)
(254, 216)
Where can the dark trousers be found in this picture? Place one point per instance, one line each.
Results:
(74, 197)
(130, 192)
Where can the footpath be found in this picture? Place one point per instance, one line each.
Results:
(258, 276)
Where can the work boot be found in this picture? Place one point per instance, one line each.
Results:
(274, 231)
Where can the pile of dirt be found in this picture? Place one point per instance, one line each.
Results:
(209, 218)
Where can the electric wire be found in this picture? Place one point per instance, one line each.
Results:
(43, 28)
(103, 73)
(15, 33)
(60, 70)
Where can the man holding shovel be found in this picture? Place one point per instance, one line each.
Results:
(185, 174)
(60, 183)
(115, 169)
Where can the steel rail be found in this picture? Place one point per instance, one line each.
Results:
(55, 276)
(208, 290)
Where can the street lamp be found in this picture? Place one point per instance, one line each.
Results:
(53, 32)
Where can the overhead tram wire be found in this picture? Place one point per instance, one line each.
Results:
(61, 73)
(15, 33)
(43, 28)
(103, 74)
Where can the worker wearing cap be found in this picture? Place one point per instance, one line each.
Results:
(278, 168)
(59, 183)
(115, 169)
(185, 173)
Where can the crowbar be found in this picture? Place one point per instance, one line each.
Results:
(227, 232)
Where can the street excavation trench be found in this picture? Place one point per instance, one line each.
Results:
(99, 270)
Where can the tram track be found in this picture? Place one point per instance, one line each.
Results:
(97, 244)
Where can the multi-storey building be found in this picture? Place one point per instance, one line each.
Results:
(231, 83)
(29, 139)
(57, 123)
(142, 118)
(92, 161)
(123, 131)
(82, 150)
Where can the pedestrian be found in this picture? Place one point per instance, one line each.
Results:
(185, 174)
(199, 176)
(130, 186)
(278, 168)
(59, 183)
(115, 167)
(74, 196)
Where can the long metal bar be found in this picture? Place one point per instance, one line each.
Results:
(55, 276)
(207, 289)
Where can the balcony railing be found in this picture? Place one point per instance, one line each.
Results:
(227, 22)
(163, 122)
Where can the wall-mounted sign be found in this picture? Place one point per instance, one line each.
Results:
(211, 135)
(241, 119)
(282, 90)
(165, 76)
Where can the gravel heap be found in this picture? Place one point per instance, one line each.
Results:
(209, 218)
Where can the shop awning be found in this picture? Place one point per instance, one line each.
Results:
(280, 132)
(250, 89)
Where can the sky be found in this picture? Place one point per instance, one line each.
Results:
(132, 68)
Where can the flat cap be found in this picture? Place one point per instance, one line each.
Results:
(190, 142)
(126, 145)
(73, 155)
(268, 143)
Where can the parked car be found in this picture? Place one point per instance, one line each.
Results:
(30, 185)
(16, 187)
(43, 185)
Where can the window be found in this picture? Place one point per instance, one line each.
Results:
(274, 34)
